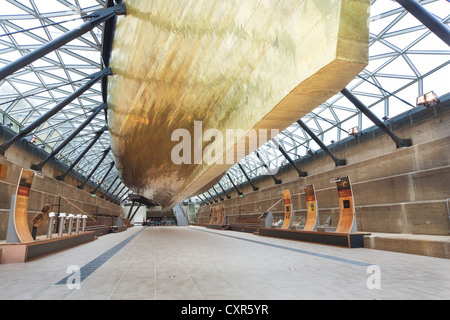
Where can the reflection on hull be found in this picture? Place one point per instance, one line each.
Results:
(229, 64)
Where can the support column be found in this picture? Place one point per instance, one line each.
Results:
(203, 201)
(118, 194)
(221, 199)
(112, 193)
(110, 186)
(124, 196)
(104, 177)
(97, 17)
(209, 200)
(95, 112)
(228, 196)
(132, 217)
(78, 159)
(255, 188)
(277, 181)
(105, 153)
(93, 79)
(212, 196)
(369, 114)
(286, 155)
(232, 182)
(428, 20)
(337, 161)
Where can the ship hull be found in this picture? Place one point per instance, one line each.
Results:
(183, 68)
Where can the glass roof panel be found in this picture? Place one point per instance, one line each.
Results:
(405, 60)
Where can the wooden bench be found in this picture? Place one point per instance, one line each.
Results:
(250, 223)
(98, 228)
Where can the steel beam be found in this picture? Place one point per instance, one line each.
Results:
(277, 181)
(198, 196)
(131, 209)
(105, 153)
(110, 186)
(209, 200)
(123, 197)
(115, 189)
(221, 199)
(228, 196)
(81, 155)
(286, 155)
(104, 177)
(95, 112)
(427, 19)
(212, 196)
(337, 161)
(132, 217)
(97, 17)
(369, 114)
(255, 188)
(114, 199)
(232, 182)
(24, 132)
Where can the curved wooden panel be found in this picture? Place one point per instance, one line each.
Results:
(217, 215)
(211, 214)
(347, 214)
(21, 206)
(287, 210)
(238, 65)
(312, 211)
(223, 215)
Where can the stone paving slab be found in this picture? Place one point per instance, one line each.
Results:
(195, 263)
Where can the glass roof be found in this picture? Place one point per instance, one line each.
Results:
(406, 60)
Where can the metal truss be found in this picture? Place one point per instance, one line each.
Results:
(27, 94)
(405, 60)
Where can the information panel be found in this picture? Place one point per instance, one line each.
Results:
(21, 206)
(312, 213)
(217, 215)
(347, 214)
(3, 171)
(211, 214)
(223, 215)
(287, 210)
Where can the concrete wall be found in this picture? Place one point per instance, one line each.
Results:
(47, 190)
(396, 190)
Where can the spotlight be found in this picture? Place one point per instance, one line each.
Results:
(354, 131)
(428, 100)
(309, 151)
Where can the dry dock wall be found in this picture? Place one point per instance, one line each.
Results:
(47, 189)
(396, 190)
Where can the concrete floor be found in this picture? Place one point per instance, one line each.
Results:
(183, 263)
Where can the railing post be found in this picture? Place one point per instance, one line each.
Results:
(62, 216)
(83, 228)
(69, 225)
(51, 216)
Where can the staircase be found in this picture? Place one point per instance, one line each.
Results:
(181, 215)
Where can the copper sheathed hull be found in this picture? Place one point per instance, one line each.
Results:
(245, 65)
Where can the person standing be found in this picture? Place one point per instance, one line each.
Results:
(40, 218)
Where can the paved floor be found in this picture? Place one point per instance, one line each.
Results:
(184, 263)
